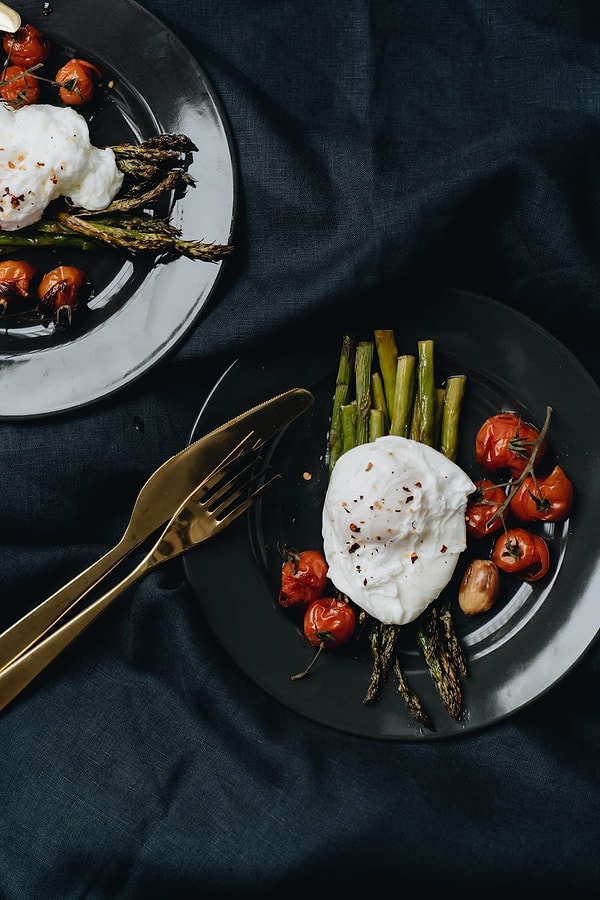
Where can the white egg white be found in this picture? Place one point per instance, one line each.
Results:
(394, 526)
(46, 153)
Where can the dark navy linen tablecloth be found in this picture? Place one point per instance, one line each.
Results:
(381, 145)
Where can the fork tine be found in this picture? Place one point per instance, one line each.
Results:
(227, 512)
(228, 482)
(221, 470)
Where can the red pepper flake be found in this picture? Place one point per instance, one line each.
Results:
(353, 547)
(410, 499)
(413, 558)
(418, 484)
(369, 467)
(444, 548)
(354, 527)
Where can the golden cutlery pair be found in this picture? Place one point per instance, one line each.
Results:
(201, 490)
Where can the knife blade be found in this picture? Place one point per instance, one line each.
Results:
(159, 499)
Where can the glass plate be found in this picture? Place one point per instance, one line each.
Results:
(141, 310)
(534, 634)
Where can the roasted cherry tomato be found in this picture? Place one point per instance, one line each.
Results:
(26, 47)
(16, 276)
(18, 88)
(303, 576)
(522, 553)
(505, 441)
(547, 499)
(328, 622)
(77, 81)
(482, 506)
(60, 291)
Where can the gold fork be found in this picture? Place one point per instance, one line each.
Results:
(218, 500)
(157, 501)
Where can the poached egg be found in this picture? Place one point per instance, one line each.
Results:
(46, 153)
(394, 526)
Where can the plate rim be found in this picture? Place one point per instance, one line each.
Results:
(589, 587)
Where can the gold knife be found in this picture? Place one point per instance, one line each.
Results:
(158, 500)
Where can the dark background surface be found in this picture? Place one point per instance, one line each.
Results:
(382, 147)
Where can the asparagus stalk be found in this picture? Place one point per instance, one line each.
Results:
(349, 416)
(376, 424)
(440, 396)
(172, 181)
(137, 234)
(442, 670)
(414, 422)
(157, 165)
(451, 639)
(378, 399)
(382, 639)
(412, 701)
(403, 395)
(342, 387)
(453, 400)
(154, 167)
(47, 233)
(387, 354)
(425, 392)
(362, 372)
(149, 158)
(376, 669)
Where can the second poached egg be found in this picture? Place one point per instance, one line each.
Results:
(46, 153)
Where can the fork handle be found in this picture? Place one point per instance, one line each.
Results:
(33, 625)
(14, 678)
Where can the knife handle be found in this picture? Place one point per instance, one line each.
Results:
(20, 636)
(29, 664)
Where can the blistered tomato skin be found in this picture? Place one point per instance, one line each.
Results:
(60, 291)
(548, 499)
(329, 621)
(522, 553)
(16, 276)
(26, 47)
(77, 81)
(482, 506)
(505, 442)
(303, 577)
(18, 88)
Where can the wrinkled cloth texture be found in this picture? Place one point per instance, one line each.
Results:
(381, 145)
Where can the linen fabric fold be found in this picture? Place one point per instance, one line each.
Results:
(382, 148)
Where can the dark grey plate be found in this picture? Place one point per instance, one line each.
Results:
(536, 632)
(140, 310)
